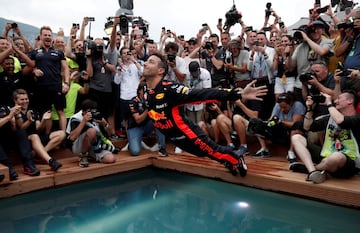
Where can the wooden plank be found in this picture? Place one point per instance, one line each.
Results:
(269, 174)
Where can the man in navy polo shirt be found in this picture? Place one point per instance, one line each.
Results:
(48, 63)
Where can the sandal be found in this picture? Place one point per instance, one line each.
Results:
(317, 176)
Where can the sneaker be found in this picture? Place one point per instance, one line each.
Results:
(242, 151)
(262, 153)
(178, 150)
(120, 134)
(291, 157)
(317, 176)
(163, 152)
(125, 148)
(232, 168)
(155, 147)
(31, 170)
(231, 146)
(241, 166)
(83, 161)
(55, 165)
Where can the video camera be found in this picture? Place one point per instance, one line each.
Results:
(232, 17)
(96, 50)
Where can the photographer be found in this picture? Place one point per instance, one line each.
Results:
(101, 71)
(286, 116)
(177, 66)
(215, 58)
(319, 79)
(196, 78)
(260, 65)
(86, 132)
(313, 47)
(339, 156)
(127, 76)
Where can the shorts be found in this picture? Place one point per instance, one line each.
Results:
(284, 88)
(77, 149)
(45, 97)
(348, 170)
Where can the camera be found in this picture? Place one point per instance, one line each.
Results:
(209, 45)
(266, 29)
(322, 9)
(307, 76)
(4, 111)
(256, 42)
(268, 10)
(318, 98)
(232, 17)
(345, 72)
(149, 41)
(96, 115)
(14, 25)
(248, 29)
(129, 53)
(124, 24)
(308, 29)
(171, 57)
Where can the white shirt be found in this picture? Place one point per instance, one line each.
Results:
(129, 80)
(204, 81)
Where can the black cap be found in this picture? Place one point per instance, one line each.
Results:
(318, 23)
(194, 66)
(193, 40)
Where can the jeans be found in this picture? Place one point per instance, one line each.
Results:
(136, 134)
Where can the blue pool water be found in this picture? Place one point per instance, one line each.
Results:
(158, 201)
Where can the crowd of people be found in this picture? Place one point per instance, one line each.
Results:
(207, 94)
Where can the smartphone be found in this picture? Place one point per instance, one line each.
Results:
(220, 20)
(91, 18)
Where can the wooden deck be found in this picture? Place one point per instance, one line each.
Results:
(268, 174)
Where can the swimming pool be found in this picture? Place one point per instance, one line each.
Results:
(154, 200)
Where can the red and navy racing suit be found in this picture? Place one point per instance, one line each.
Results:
(167, 113)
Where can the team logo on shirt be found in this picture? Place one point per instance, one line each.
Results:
(159, 96)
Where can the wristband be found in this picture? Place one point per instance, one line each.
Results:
(67, 83)
(330, 105)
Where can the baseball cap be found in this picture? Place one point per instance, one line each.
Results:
(318, 23)
(192, 40)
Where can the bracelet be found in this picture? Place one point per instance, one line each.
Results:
(308, 110)
(330, 105)
(67, 83)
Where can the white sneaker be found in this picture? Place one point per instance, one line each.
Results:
(155, 147)
(178, 150)
(143, 144)
(125, 148)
